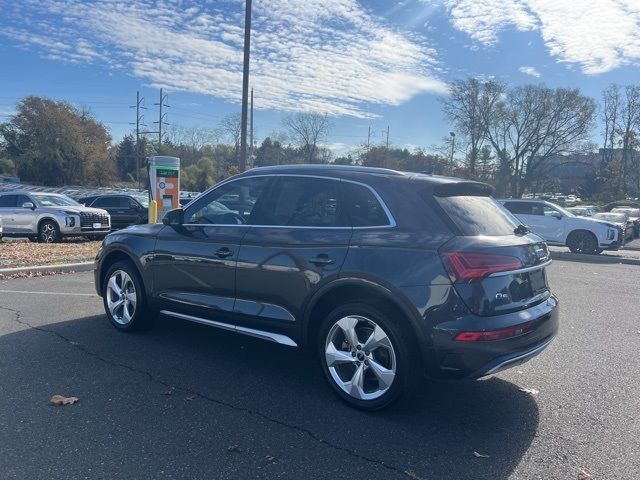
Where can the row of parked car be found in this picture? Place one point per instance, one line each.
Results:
(47, 217)
(582, 229)
(627, 217)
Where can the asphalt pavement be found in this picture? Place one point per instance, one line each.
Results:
(183, 401)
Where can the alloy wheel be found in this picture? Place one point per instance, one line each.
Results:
(48, 233)
(360, 357)
(121, 297)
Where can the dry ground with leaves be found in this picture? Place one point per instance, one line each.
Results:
(24, 253)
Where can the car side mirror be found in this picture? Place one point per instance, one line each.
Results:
(556, 215)
(174, 218)
(28, 205)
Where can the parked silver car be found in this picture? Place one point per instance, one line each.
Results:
(47, 217)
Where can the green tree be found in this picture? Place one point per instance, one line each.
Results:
(6, 167)
(205, 173)
(53, 143)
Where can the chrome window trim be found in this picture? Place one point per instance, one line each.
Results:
(392, 221)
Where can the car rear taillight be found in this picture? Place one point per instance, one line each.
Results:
(469, 266)
(490, 335)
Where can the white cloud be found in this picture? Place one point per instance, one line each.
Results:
(331, 56)
(530, 71)
(6, 111)
(597, 35)
(335, 146)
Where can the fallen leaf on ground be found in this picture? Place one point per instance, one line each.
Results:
(233, 448)
(59, 400)
(269, 458)
(480, 455)
(412, 475)
(530, 391)
(582, 475)
(190, 398)
(24, 254)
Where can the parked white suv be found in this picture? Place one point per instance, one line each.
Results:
(560, 227)
(47, 217)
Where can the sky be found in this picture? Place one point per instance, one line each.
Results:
(367, 64)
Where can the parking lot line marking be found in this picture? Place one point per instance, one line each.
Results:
(51, 293)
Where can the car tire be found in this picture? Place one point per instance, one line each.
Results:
(33, 239)
(582, 241)
(48, 232)
(124, 298)
(393, 354)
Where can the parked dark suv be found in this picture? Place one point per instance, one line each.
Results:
(384, 275)
(124, 210)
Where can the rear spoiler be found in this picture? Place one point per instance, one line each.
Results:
(455, 189)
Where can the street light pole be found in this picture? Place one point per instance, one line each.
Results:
(245, 87)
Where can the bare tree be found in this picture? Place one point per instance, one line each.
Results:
(194, 137)
(307, 130)
(230, 128)
(532, 123)
(610, 116)
(464, 107)
(628, 131)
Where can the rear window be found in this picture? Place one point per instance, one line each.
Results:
(363, 206)
(475, 215)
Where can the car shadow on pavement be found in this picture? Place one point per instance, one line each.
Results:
(187, 379)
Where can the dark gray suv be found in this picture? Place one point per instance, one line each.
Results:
(385, 276)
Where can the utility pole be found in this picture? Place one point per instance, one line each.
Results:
(368, 139)
(245, 86)
(161, 117)
(387, 137)
(139, 121)
(251, 132)
(453, 147)
(386, 152)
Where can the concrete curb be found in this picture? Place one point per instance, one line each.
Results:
(63, 267)
(602, 259)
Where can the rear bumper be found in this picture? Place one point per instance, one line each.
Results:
(512, 360)
(474, 359)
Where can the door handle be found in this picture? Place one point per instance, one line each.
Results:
(322, 259)
(224, 252)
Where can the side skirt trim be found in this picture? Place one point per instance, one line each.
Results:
(273, 337)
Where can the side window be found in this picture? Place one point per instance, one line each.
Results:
(364, 208)
(304, 202)
(548, 211)
(127, 202)
(21, 200)
(519, 208)
(8, 201)
(229, 204)
(106, 202)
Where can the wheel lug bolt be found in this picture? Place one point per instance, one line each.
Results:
(353, 354)
(359, 347)
(366, 362)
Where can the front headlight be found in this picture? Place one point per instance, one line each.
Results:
(70, 221)
(611, 233)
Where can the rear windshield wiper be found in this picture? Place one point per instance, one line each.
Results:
(521, 229)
